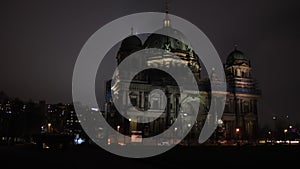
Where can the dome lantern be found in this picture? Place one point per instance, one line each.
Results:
(236, 57)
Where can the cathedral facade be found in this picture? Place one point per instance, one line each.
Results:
(240, 117)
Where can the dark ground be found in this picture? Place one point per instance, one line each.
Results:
(178, 157)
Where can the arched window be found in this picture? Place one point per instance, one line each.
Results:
(155, 101)
(246, 107)
(238, 72)
(133, 99)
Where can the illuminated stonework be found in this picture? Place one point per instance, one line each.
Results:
(241, 109)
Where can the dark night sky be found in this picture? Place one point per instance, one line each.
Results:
(40, 41)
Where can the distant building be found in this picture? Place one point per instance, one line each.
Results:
(18, 120)
(240, 117)
(61, 118)
(241, 111)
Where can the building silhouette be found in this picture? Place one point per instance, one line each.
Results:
(240, 117)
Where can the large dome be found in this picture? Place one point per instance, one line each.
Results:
(163, 39)
(172, 40)
(166, 38)
(237, 57)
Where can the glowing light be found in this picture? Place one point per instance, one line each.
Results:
(294, 142)
(45, 146)
(95, 109)
(79, 140)
(220, 122)
(237, 130)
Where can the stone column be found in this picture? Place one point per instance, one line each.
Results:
(143, 100)
(168, 109)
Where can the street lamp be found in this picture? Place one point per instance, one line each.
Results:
(175, 135)
(129, 130)
(237, 131)
(270, 135)
(49, 127)
(285, 131)
(274, 118)
(118, 129)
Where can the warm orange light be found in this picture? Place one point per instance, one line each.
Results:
(237, 130)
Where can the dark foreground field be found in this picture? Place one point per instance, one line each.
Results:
(178, 157)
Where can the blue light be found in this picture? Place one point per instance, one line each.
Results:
(79, 140)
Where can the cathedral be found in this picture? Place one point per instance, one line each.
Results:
(240, 117)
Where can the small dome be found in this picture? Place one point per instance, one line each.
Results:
(129, 45)
(237, 57)
(131, 42)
